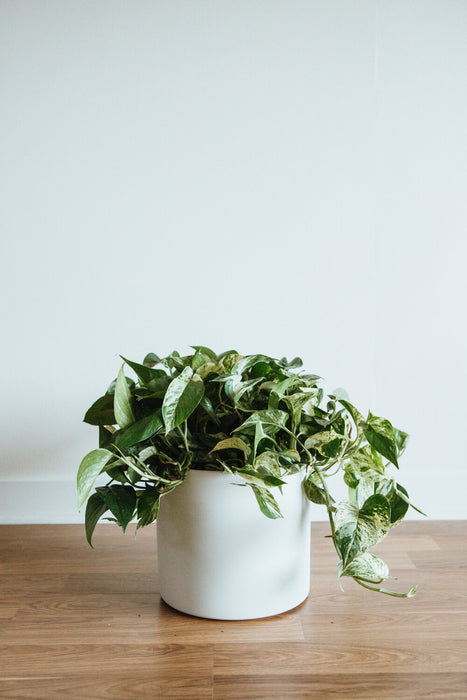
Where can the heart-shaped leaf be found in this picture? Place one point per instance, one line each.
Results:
(91, 466)
(144, 373)
(380, 434)
(101, 411)
(359, 529)
(122, 401)
(233, 443)
(181, 398)
(367, 566)
(137, 432)
(95, 508)
(120, 500)
(148, 506)
(267, 503)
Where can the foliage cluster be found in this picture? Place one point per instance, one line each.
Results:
(252, 415)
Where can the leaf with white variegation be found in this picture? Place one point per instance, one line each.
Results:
(380, 434)
(233, 443)
(266, 501)
(181, 398)
(367, 566)
(314, 490)
(359, 529)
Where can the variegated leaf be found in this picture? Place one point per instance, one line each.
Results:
(359, 529)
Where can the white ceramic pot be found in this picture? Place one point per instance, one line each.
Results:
(220, 557)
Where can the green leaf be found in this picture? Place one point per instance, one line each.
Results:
(313, 489)
(401, 440)
(295, 363)
(268, 463)
(273, 420)
(233, 443)
(242, 388)
(356, 415)
(120, 500)
(205, 351)
(266, 501)
(148, 506)
(141, 430)
(206, 404)
(327, 442)
(367, 566)
(101, 411)
(399, 502)
(91, 466)
(151, 359)
(260, 479)
(199, 359)
(157, 387)
(122, 401)
(380, 434)
(359, 529)
(174, 361)
(181, 398)
(95, 508)
(145, 374)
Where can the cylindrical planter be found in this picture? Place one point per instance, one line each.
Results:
(220, 557)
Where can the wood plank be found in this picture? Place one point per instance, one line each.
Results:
(384, 686)
(143, 619)
(121, 685)
(334, 655)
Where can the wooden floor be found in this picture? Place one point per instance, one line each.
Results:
(83, 623)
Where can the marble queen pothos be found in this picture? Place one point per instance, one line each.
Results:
(253, 415)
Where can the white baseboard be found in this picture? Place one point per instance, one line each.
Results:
(55, 501)
(39, 502)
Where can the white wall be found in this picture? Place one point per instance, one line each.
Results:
(282, 177)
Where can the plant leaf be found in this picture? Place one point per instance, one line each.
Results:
(122, 401)
(380, 434)
(148, 506)
(401, 440)
(95, 508)
(268, 463)
(260, 479)
(266, 501)
(206, 404)
(205, 351)
(181, 398)
(273, 420)
(367, 566)
(91, 466)
(101, 412)
(141, 430)
(144, 373)
(120, 500)
(359, 529)
(151, 359)
(313, 489)
(233, 443)
(356, 415)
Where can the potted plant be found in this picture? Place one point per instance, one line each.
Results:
(225, 452)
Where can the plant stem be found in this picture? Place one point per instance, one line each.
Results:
(410, 594)
(328, 504)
